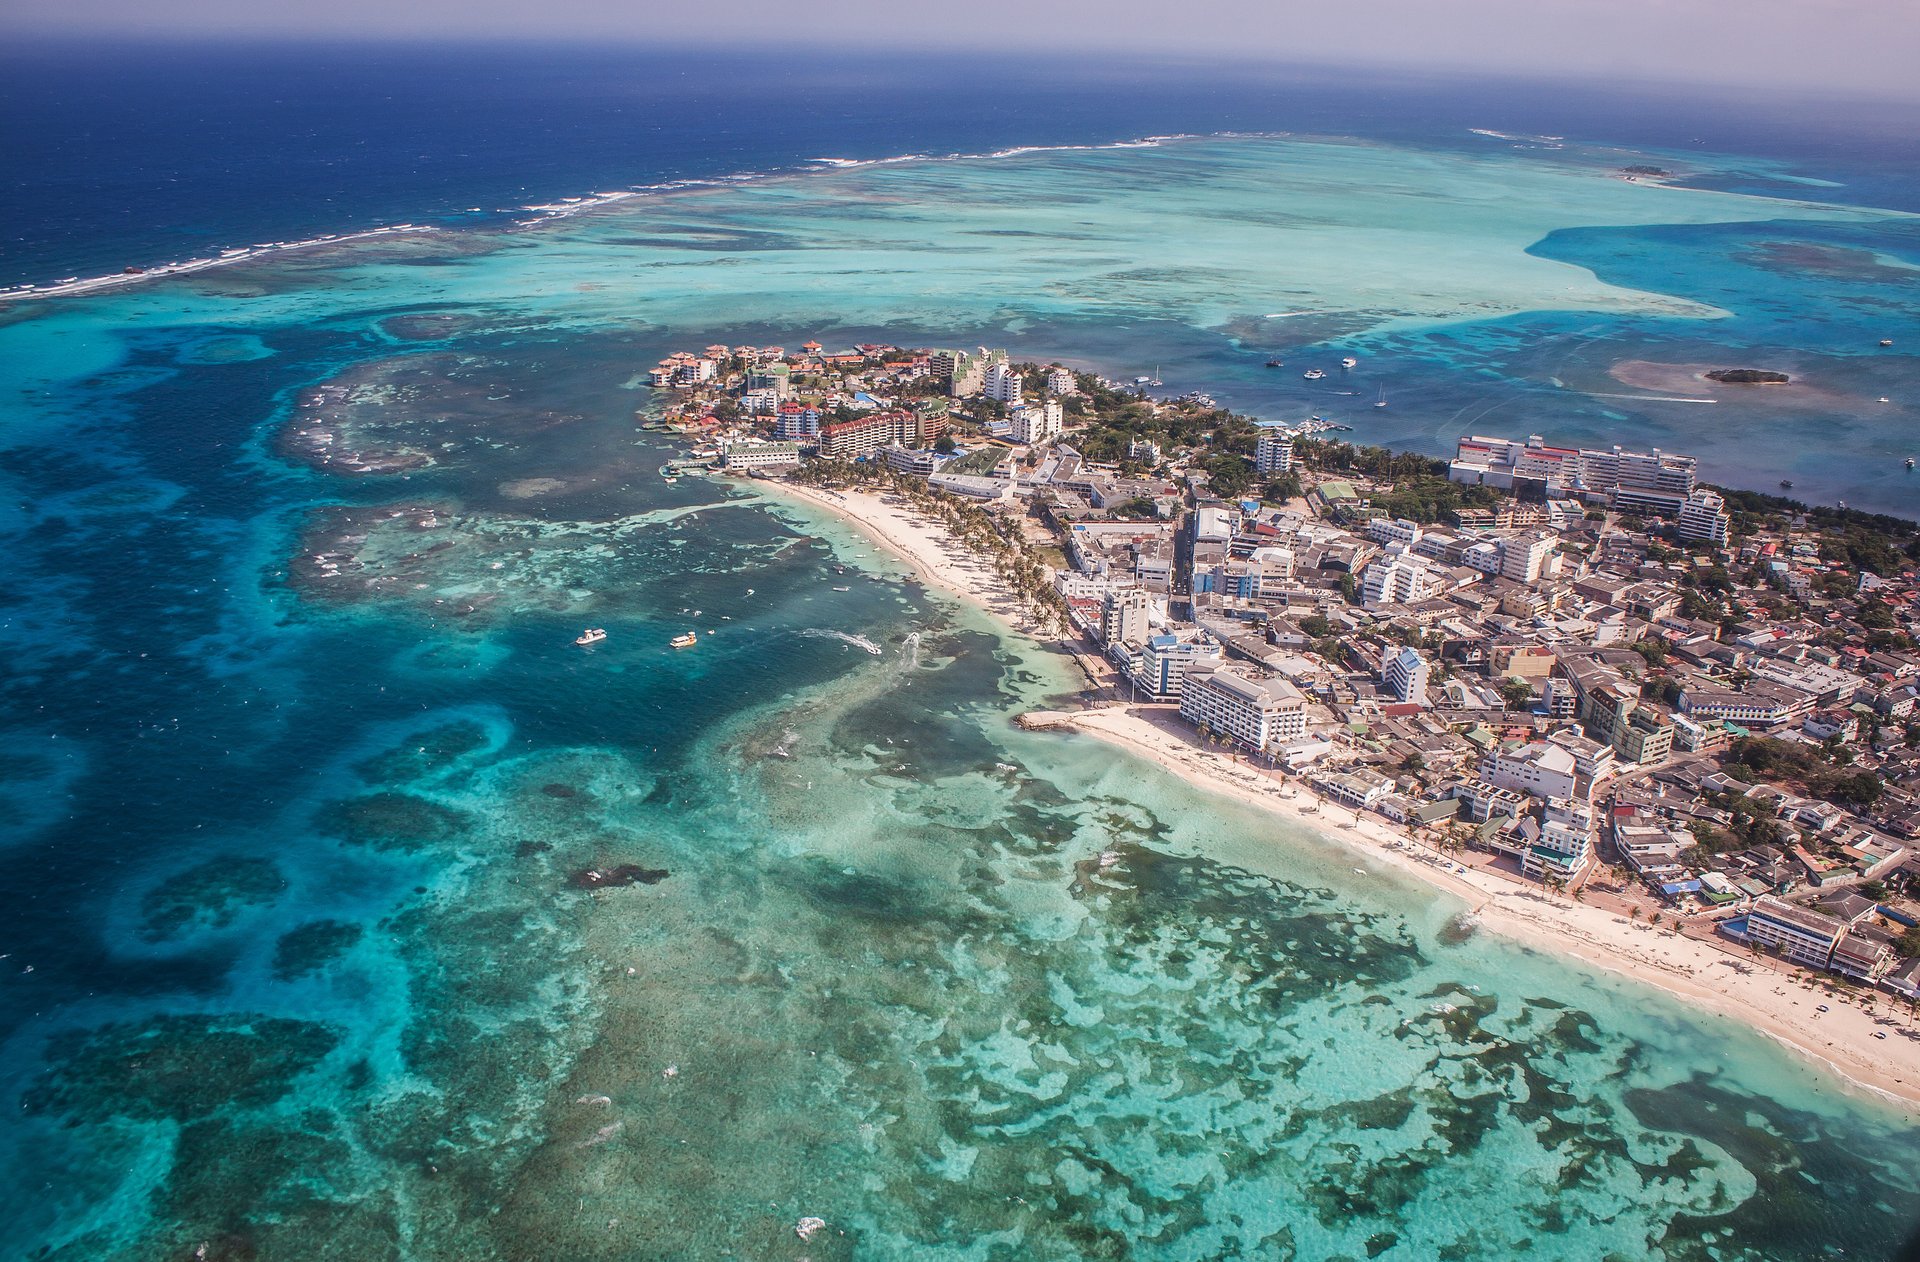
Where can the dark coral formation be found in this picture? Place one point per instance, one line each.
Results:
(211, 895)
(312, 947)
(393, 820)
(176, 1067)
(424, 754)
(617, 875)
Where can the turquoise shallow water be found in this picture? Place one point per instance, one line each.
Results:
(302, 768)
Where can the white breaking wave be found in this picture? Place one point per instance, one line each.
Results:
(566, 207)
(238, 254)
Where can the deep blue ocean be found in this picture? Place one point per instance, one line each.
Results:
(302, 774)
(143, 154)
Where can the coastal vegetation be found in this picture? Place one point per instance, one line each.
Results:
(1411, 486)
(1809, 768)
(995, 537)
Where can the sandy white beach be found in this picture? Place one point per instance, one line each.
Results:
(922, 543)
(1784, 1005)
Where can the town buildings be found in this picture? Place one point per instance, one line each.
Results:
(1571, 665)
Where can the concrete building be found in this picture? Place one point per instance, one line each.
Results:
(1565, 845)
(1593, 762)
(1394, 530)
(693, 372)
(796, 422)
(1060, 381)
(1522, 557)
(963, 374)
(1124, 617)
(1761, 704)
(1163, 666)
(1038, 422)
(1798, 933)
(1405, 675)
(919, 464)
(750, 456)
(1703, 518)
(866, 435)
(774, 377)
(1212, 525)
(1398, 577)
(1357, 790)
(1002, 383)
(1540, 770)
(1256, 713)
(1273, 453)
(1863, 955)
(1646, 737)
(1654, 481)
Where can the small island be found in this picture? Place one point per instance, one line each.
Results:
(1748, 377)
(1655, 172)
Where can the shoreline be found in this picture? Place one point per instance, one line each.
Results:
(1782, 1006)
(923, 545)
(1777, 1004)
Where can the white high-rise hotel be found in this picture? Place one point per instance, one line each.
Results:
(1037, 422)
(1257, 713)
(1274, 453)
(1397, 577)
(1652, 481)
(1002, 383)
(1405, 675)
(1703, 517)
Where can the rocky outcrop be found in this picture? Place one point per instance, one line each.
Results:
(1748, 377)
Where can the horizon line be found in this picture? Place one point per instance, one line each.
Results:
(24, 40)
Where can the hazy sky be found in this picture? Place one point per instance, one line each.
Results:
(1842, 46)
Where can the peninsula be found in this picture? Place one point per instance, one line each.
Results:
(1617, 712)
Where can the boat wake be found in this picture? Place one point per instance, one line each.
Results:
(857, 641)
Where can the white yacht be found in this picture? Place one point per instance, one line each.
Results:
(1313, 374)
(592, 635)
(1349, 362)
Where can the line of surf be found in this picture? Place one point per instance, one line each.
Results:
(71, 285)
(537, 213)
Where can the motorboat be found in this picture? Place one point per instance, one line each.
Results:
(592, 635)
(685, 641)
(1349, 362)
(1313, 374)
